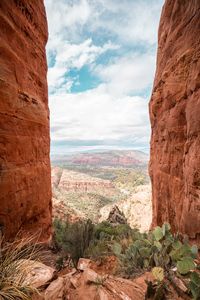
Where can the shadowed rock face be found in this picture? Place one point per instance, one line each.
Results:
(175, 119)
(25, 187)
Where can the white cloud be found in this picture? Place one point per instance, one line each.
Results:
(69, 56)
(128, 74)
(94, 115)
(66, 15)
(76, 56)
(131, 21)
(81, 31)
(71, 24)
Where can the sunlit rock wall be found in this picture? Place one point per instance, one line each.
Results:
(175, 119)
(25, 188)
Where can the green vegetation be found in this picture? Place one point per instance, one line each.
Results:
(159, 248)
(106, 230)
(127, 178)
(73, 238)
(194, 285)
(124, 182)
(105, 238)
(13, 263)
(166, 255)
(84, 239)
(87, 204)
(162, 252)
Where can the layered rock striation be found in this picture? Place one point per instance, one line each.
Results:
(175, 119)
(72, 181)
(25, 184)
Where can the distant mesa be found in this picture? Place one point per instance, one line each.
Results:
(124, 158)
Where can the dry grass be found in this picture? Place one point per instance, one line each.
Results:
(13, 263)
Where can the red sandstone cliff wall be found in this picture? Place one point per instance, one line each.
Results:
(175, 119)
(25, 188)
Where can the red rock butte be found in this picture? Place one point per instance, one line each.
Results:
(25, 198)
(175, 119)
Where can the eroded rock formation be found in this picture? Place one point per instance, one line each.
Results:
(25, 187)
(136, 208)
(175, 119)
(78, 195)
(76, 182)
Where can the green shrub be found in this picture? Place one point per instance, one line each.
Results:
(105, 237)
(84, 239)
(159, 248)
(194, 285)
(73, 238)
(59, 263)
(106, 230)
(98, 249)
(158, 251)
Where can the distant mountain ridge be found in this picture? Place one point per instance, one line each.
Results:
(112, 158)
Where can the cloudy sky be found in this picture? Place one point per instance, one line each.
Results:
(101, 58)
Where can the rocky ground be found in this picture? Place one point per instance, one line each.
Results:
(88, 282)
(84, 284)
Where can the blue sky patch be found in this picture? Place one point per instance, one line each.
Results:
(83, 80)
(101, 60)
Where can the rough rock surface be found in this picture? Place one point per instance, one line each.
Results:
(24, 119)
(90, 285)
(116, 216)
(175, 119)
(72, 181)
(137, 209)
(62, 211)
(37, 274)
